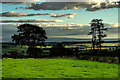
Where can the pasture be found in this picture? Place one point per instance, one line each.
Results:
(57, 68)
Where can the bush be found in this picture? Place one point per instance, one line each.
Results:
(5, 55)
(60, 50)
(57, 50)
(34, 52)
(14, 54)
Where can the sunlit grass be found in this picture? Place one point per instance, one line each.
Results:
(110, 44)
(57, 68)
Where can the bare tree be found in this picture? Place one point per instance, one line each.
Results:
(97, 32)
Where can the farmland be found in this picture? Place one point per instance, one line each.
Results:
(57, 68)
(11, 47)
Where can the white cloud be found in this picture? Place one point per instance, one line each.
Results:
(70, 15)
(112, 25)
(73, 26)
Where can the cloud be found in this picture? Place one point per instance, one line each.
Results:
(66, 26)
(12, 14)
(19, 1)
(89, 6)
(29, 20)
(103, 5)
(72, 25)
(67, 4)
(58, 5)
(75, 29)
(70, 15)
(52, 31)
(112, 25)
(59, 32)
(25, 3)
(20, 14)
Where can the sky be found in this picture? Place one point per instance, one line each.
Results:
(63, 21)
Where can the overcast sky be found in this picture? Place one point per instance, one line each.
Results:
(65, 20)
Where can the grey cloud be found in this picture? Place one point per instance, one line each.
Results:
(16, 3)
(29, 20)
(12, 14)
(19, 1)
(20, 14)
(55, 32)
(103, 6)
(67, 30)
(89, 6)
(58, 5)
(10, 29)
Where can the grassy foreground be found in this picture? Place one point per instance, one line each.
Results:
(57, 68)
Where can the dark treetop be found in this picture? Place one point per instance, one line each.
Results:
(31, 35)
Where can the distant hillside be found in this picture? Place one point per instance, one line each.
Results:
(67, 42)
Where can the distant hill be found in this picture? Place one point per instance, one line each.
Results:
(66, 42)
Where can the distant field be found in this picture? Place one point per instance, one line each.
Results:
(57, 68)
(18, 48)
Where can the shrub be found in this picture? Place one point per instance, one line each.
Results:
(34, 52)
(57, 50)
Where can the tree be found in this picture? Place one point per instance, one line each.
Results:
(97, 32)
(30, 35)
(57, 50)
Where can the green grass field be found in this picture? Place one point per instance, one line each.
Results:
(57, 68)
